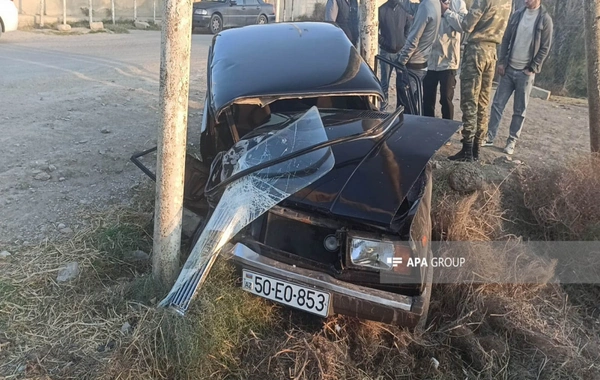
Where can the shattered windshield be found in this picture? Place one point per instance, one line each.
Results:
(249, 197)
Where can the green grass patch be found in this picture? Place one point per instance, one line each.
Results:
(144, 289)
(122, 237)
(117, 29)
(8, 291)
(208, 342)
(211, 336)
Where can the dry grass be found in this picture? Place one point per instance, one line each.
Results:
(58, 329)
(565, 200)
(472, 217)
(490, 330)
(74, 330)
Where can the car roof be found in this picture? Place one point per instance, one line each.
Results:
(259, 64)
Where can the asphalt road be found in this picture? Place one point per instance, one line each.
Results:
(72, 111)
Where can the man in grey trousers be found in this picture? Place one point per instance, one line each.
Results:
(525, 47)
(419, 42)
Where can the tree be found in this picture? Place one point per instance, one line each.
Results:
(592, 44)
(563, 70)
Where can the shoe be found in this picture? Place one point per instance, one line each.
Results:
(476, 145)
(465, 154)
(488, 143)
(510, 147)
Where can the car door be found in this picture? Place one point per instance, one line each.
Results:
(234, 14)
(252, 11)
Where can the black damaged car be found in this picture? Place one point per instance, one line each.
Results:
(317, 197)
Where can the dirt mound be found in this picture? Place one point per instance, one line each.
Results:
(458, 217)
(466, 178)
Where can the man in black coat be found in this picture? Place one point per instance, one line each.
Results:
(394, 25)
(345, 14)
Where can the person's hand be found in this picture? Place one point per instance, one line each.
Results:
(501, 70)
(527, 72)
(445, 6)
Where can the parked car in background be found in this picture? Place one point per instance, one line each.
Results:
(217, 15)
(9, 16)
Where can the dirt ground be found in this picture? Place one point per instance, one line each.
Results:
(74, 108)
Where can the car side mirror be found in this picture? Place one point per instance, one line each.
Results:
(232, 3)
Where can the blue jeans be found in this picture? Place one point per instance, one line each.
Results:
(386, 71)
(521, 84)
(413, 84)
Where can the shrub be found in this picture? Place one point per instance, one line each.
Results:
(564, 200)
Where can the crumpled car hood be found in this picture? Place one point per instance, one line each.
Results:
(371, 178)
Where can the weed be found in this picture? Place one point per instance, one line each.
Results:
(118, 29)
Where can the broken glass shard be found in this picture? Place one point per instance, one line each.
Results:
(249, 197)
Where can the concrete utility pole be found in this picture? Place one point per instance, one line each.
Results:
(42, 13)
(90, 11)
(64, 12)
(172, 134)
(134, 10)
(277, 10)
(369, 30)
(112, 10)
(592, 42)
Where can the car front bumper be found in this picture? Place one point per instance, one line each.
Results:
(200, 21)
(346, 298)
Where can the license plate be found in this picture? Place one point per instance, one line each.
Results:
(300, 297)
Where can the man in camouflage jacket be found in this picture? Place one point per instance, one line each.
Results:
(485, 23)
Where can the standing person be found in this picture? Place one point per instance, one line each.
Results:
(394, 24)
(524, 49)
(443, 61)
(420, 39)
(485, 23)
(345, 14)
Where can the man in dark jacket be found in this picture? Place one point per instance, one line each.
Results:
(525, 47)
(394, 24)
(345, 14)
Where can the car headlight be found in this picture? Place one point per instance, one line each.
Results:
(201, 12)
(379, 254)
